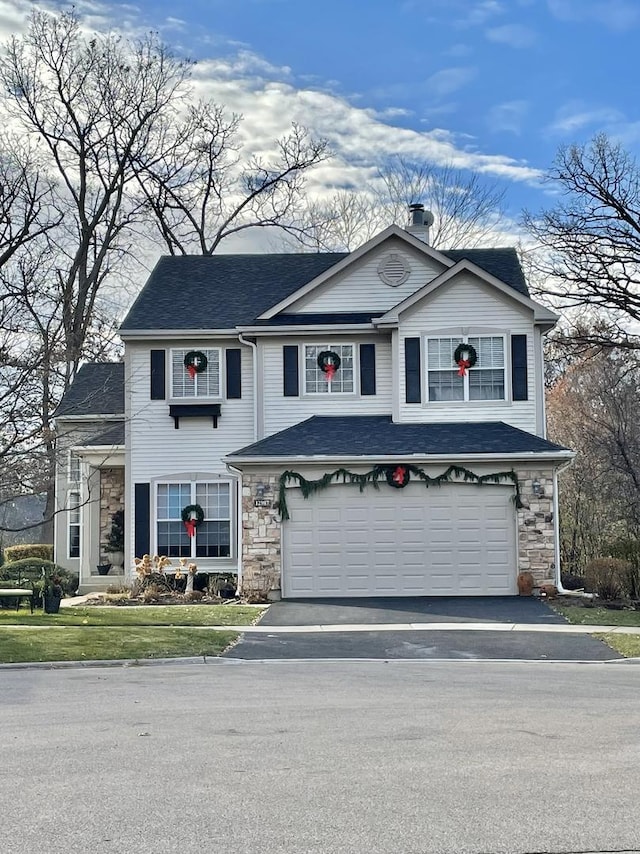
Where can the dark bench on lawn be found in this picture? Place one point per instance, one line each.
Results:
(16, 587)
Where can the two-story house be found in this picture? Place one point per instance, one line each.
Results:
(360, 424)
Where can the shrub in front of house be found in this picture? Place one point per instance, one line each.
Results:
(30, 569)
(608, 577)
(28, 550)
(629, 551)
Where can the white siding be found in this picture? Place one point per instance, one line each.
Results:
(359, 288)
(156, 450)
(280, 412)
(467, 306)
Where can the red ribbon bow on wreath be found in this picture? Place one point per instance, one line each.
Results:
(399, 475)
(463, 364)
(191, 525)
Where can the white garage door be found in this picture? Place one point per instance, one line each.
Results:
(453, 540)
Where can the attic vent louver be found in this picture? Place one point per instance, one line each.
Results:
(394, 270)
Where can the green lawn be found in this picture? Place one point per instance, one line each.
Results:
(98, 643)
(103, 633)
(597, 616)
(627, 645)
(122, 615)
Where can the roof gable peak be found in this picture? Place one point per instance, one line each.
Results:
(392, 231)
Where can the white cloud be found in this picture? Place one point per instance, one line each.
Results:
(617, 15)
(508, 116)
(449, 80)
(575, 116)
(361, 138)
(514, 35)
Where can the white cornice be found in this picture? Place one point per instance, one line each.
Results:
(520, 456)
(146, 334)
(262, 331)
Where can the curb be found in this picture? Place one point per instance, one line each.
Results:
(218, 660)
(553, 628)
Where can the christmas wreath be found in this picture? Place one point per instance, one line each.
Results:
(398, 476)
(192, 515)
(328, 362)
(195, 362)
(464, 356)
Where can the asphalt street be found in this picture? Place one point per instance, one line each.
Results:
(388, 757)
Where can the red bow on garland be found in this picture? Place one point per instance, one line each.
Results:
(463, 364)
(399, 475)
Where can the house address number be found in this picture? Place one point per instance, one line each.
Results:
(262, 502)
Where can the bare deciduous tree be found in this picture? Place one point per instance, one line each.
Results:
(594, 408)
(467, 209)
(119, 153)
(588, 252)
(201, 190)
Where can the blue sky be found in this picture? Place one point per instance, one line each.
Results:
(490, 85)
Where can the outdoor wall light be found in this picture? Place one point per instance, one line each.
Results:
(262, 489)
(536, 487)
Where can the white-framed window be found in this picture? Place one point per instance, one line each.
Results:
(74, 524)
(212, 537)
(205, 384)
(74, 468)
(485, 381)
(315, 379)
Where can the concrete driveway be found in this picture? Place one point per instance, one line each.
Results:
(385, 643)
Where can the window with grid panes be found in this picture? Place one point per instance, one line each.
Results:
(212, 537)
(485, 381)
(205, 384)
(74, 469)
(315, 380)
(74, 524)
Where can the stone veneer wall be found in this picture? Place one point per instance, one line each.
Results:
(261, 535)
(111, 498)
(261, 530)
(536, 525)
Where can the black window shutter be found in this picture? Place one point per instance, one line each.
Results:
(158, 375)
(142, 516)
(291, 379)
(519, 381)
(367, 369)
(234, 374)
(412, 370)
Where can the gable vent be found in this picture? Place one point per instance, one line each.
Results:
(393, 270)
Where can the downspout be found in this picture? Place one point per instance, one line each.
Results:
(556, 518)
(254, 348)
(237, 472)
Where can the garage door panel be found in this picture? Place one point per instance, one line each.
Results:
(456, 539)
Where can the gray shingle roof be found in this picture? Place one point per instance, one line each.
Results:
(377, 435)
(503, 263)
(225, 291)
(114, 435)
(221, 291)
(98, 389)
